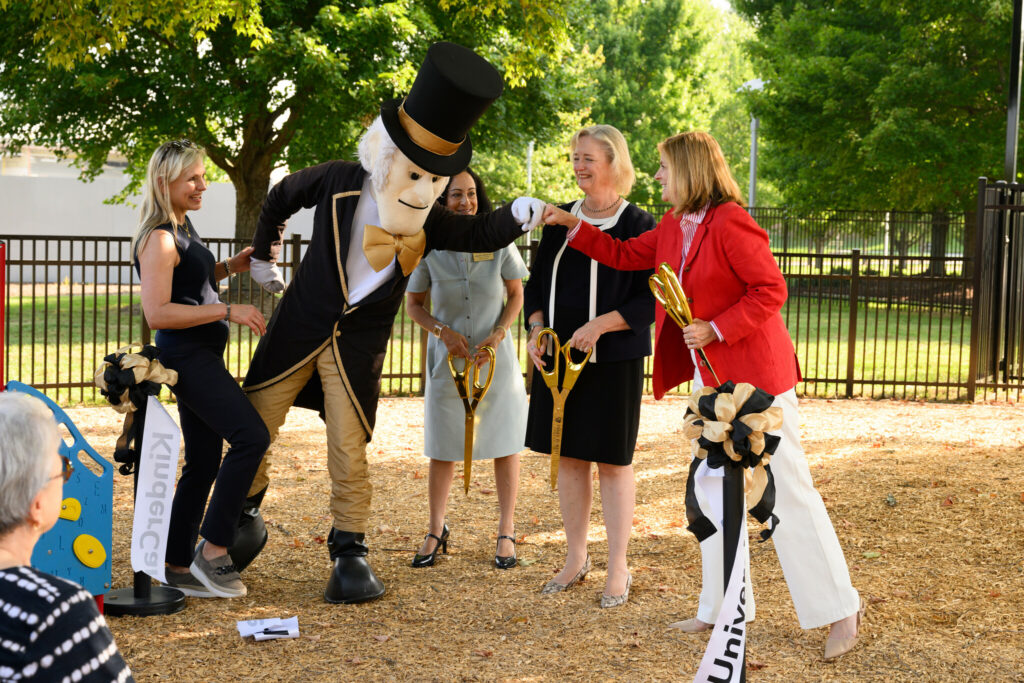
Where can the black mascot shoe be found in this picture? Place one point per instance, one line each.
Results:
(352, 578)
(252, 533)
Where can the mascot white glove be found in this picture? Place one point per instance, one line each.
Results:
(528, 212)
(267, 274)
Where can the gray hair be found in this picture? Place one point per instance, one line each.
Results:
(376, 152)
(28, 434)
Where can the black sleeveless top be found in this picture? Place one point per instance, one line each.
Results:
(193, 284)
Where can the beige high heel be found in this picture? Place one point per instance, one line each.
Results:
(616, 600)
(691, 626)
(553, 586)
(837, 647)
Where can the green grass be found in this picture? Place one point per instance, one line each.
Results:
(894, 345)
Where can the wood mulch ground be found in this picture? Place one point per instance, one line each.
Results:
(928, 501)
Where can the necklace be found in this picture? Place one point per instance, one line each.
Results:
(591, 210)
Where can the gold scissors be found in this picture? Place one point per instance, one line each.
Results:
(558, 396)
(669, 293)
(467, 381)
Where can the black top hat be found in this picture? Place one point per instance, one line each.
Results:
(453, 88)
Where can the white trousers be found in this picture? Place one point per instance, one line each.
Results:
(808, 549)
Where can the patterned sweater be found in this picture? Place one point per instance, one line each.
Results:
(51, 630)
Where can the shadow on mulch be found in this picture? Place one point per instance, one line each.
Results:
(926, 499)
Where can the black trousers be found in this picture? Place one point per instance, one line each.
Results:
(212, 409)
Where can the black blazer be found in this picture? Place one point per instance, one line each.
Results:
(627, 292)
(314, 311)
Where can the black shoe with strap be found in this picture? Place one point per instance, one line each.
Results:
(442, 545)
(505, 562)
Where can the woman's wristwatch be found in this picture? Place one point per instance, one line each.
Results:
(532, 326)
(438, 328)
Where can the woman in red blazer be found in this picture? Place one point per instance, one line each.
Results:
(735, 292)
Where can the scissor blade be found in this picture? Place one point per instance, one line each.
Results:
(467, 456)
(557, 421)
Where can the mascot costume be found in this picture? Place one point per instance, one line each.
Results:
(325, 345)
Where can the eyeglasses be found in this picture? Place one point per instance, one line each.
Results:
(66, 469)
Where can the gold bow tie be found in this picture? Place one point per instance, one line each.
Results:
(381, 246)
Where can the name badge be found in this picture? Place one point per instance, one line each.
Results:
(483, 256)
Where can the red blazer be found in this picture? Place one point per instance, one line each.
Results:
(730, 277)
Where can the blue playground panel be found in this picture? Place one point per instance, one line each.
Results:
(78, 547)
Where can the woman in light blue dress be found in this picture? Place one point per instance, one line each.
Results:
(475, 298)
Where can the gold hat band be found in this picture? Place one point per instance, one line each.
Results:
(424, 138)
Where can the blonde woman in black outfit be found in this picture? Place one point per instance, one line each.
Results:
(180, 301)
(596, 308)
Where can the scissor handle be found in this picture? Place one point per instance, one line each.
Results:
(669, 293)
(550, 376)
(572, 369)
(459, 376)
(479, 390)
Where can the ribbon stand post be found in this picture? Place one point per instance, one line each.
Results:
(143, 599)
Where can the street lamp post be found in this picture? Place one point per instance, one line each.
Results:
(753, 84)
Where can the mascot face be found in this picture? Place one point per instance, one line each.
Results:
(404, 191)
(407, 196)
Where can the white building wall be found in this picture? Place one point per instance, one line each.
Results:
(53, 207)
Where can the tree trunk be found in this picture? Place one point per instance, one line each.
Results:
(940, 233)
(251, 185)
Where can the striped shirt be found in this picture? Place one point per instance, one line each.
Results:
(51, 630)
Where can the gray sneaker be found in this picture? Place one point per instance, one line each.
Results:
(188, 584)
(219, 575)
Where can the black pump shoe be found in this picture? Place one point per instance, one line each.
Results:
(505, 562)
(352, 578)
(442, 545)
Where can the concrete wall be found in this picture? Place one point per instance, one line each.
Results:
(66, 207)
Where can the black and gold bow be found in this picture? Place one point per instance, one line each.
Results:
(728, 428)
(127, 380)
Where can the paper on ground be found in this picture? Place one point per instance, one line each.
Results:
(269, 629)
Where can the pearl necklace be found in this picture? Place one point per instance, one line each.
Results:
(613, 204)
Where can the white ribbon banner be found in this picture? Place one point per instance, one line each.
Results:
(158, 467)
(723, 659)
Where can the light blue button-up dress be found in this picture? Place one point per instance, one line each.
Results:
(467, 293)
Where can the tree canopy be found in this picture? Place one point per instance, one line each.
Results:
(293, 85)
(880, 104)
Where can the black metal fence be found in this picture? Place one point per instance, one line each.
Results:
(863, 323)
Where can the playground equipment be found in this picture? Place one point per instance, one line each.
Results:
(78, 545)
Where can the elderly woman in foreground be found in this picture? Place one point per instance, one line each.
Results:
(50, 628)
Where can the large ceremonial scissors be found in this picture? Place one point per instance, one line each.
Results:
(669, 293)
(558, 396)
(467, 381)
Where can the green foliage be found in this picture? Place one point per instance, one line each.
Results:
(877, 104)
(300, 93)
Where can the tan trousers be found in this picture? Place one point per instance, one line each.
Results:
(351, 490)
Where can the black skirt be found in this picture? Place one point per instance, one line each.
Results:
(602, 412)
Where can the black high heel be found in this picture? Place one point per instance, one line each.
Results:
(505, 562)
(442, 545)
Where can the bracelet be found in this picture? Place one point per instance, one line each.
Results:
(227, 313)
(530, 328)
(227, 268)
(496, 328)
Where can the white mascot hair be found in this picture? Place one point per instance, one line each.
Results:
(376, 152)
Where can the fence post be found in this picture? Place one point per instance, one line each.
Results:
(974, 356)
(3, 316)
(851, 338)
(296, 254)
